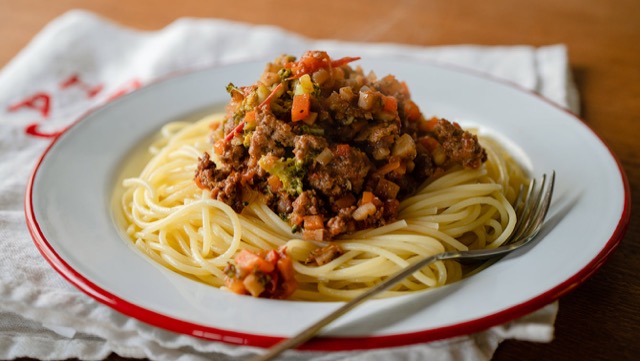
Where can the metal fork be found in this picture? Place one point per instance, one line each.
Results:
(531, 209)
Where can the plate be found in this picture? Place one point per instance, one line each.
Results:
(71, 217)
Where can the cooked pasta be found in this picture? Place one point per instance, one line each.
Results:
(180, 226)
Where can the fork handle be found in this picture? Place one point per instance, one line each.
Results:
(312, 330)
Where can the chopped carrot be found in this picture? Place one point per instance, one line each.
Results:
(309, 63)
(235, 285)
(405, 88)
(390, 104)
(249, 261)
(267, 274)
(218, 147)
(250, 117)
(346, 201)
(429, 142)
(313, 222)
(275, 184)
(392, 165)
(234, 132)
(367, 197)
(198, 182)
(342, 61)
(300, 107)
(411, 110)
(214, 125)
(289, 283)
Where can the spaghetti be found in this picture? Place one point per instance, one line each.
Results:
(180, 226)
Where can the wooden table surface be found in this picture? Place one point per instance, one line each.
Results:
(599, 320)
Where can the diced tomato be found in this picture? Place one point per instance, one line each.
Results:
(301, 107)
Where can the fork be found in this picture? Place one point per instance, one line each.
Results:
(531, 209)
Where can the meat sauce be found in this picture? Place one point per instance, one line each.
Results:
(331, 150)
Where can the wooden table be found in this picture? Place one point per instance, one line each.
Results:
(600, 320)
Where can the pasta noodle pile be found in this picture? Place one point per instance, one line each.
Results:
(179, 226)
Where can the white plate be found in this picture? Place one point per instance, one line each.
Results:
(69, 214)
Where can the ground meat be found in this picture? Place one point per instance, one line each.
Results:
(271, 136)
(307, 146)
(356, 146)
(379, 139)
(345, 173)
(459, 145)
(307, 204)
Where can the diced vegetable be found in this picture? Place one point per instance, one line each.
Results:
(237, 94)
(343, 61)
(265, 274)
(428, 125)
(276, 92)
(367, 197)
(313, 234)
(300, 107)
(313, 222)
(252, 284)
(367, 99)
(324, 157)
(387, 189)
(304, 85)
(404, 147)
(237, 130)
(390, 104)
(361, 213)
(249, 261)
(393, 164)
(289, 171)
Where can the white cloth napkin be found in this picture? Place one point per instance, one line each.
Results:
(80, 61)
